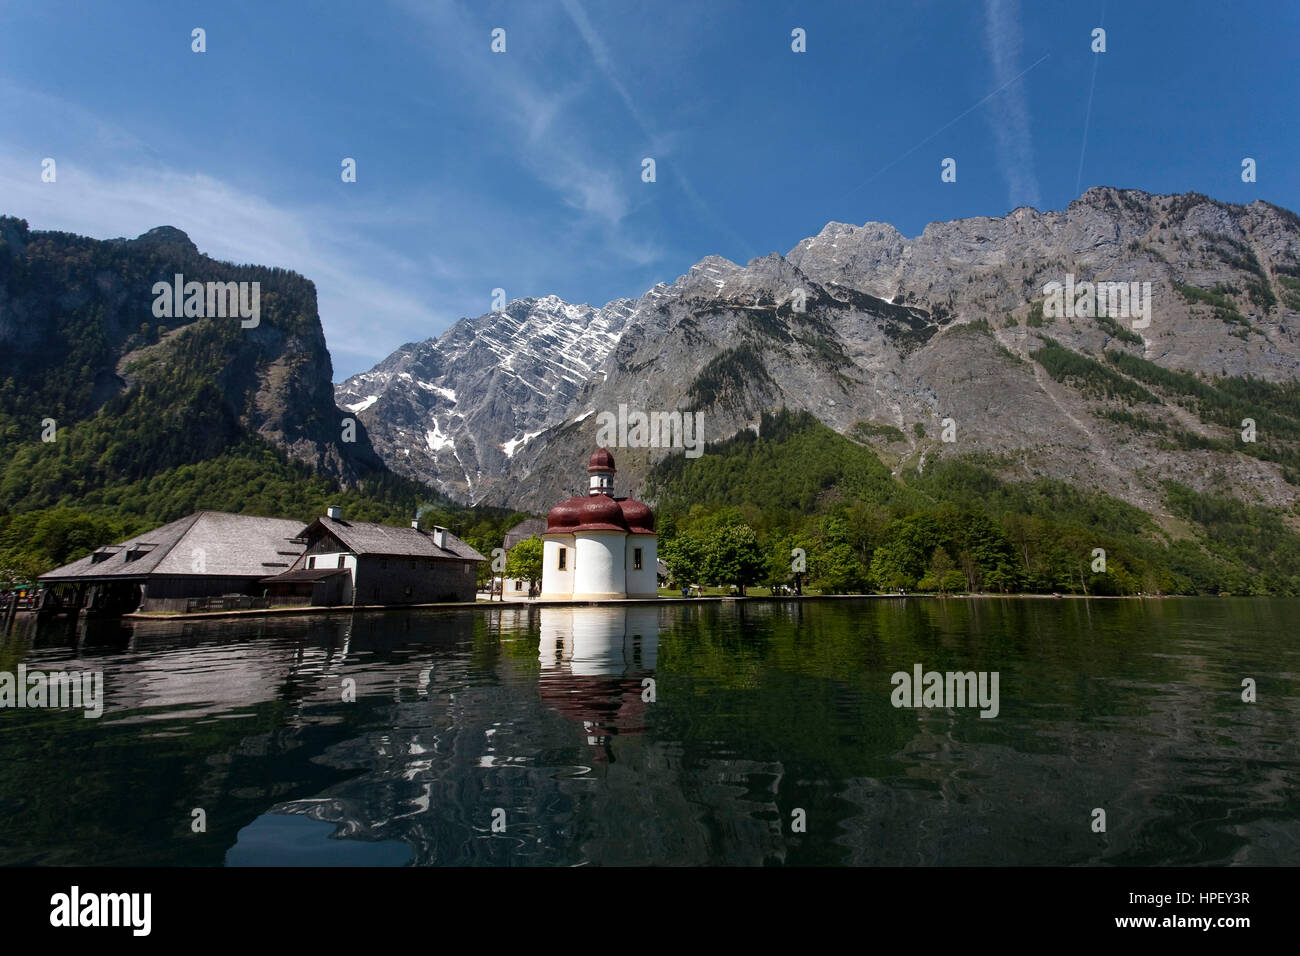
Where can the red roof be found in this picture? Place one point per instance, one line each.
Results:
(640, 519)
(601, 460)
(600, 513)
(586, 513)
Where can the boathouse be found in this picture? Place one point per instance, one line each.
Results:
(202, 557)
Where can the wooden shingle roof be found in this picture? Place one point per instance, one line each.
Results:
(305, 574)
(363, 537)
(204, 543)
(526, 529)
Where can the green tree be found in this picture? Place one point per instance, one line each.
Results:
(952, 580)
(904, 554)
(684, 556)
(524, 561)
(835, 566)
(987, 556)
(783, 566)
(17, 567)
(835, 569)
(937, 576)
(734, 556)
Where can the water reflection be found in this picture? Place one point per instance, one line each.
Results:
(566, 766)
(599, 641)
(673, 734)
(592, 663)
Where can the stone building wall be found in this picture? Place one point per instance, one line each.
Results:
(394, 580)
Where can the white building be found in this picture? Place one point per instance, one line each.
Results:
(598, 547)
(515, 589)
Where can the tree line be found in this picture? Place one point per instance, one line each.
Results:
(797, 494)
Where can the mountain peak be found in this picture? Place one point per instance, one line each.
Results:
(167, 236)
(715, 264)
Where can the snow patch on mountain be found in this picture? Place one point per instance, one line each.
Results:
(362, 405)
(510, 446)
(436, 440)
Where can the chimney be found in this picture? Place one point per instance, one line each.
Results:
(335, 512)
(416, 524)
(440, 536)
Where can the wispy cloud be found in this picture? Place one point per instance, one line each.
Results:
(110, 186)
(1009, 116)
(602, 59)
(659, 144)
(558, 151)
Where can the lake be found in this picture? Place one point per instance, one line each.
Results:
(744, 733)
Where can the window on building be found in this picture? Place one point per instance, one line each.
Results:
(636, 559)
(311, 562)
(342, 563)
(519, 585)
(564, 559)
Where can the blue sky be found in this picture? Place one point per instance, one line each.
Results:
(522, 170)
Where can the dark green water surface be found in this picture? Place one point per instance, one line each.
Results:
(524, 736)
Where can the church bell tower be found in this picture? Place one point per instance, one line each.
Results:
(600, 471)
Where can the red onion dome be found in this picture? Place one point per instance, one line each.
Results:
(602, 460)
(563, 517)
(600, 513)
(589, 513)
(640, 519)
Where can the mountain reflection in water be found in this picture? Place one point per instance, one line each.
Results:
(668, 735)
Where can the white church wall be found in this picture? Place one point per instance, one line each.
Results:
(643, 583)
(600, 572)
(557, 583)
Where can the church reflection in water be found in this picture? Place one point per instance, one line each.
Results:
(545, 714)
(597, 668)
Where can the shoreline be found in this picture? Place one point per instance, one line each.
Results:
(706, 599)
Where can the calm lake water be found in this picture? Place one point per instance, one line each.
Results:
(537, 720)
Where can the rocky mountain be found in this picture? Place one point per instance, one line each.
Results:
(85, 332)
(455, 411)
(929, 347)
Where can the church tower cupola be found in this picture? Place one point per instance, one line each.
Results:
(600, 471)
(597, 547)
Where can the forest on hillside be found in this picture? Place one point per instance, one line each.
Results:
(757, 507)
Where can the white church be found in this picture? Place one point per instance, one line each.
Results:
(597, 547)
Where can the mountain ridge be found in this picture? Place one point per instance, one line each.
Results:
(888, 326)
